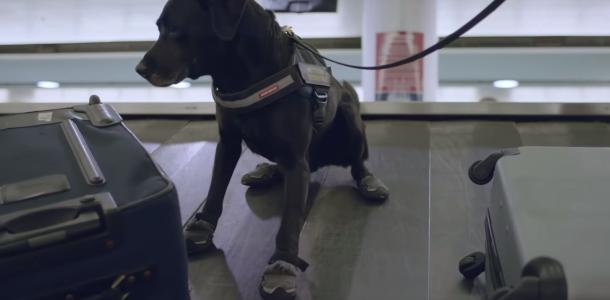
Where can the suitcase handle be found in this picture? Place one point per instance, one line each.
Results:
(100, 114)
(55, 223)
(481, 172)
(123, 285)
(87, 163)
(117, 287)
(37, 187)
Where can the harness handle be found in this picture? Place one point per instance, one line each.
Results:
(439, 45)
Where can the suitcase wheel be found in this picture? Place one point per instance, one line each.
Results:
(472, 265)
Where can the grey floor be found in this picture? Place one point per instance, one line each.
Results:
(407, 248)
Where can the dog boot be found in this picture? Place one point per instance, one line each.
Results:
(198, 235)
(264, 175)
(373, 189)
(279, 281)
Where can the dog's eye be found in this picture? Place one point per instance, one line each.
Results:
(175, 34)
(169, 30)
(172, 32)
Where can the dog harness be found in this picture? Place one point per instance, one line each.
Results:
(308, 80)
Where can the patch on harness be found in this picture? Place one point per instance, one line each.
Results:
(314, 74)
(268, 91)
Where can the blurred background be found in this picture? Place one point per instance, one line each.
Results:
(62, 51)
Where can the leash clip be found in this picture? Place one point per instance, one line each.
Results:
(288, 31)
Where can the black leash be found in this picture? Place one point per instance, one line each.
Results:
(441, 44)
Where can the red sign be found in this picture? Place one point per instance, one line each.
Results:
(406, 82)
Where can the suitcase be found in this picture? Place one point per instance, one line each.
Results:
(84, 211)
(548, 224)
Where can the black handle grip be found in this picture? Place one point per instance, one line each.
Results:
(472, 265)
(482, 172)
(118, 287)
(111, 294)
(52, 224)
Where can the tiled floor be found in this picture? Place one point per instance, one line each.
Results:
(407, 248)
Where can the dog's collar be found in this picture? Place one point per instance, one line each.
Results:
(274, 87)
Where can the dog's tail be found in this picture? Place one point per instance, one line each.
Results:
(349, 88)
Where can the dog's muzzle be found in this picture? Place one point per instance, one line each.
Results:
(142, 69)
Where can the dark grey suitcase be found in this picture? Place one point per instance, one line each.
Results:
(548, 225)
(84, 211)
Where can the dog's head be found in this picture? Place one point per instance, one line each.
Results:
(192, 36)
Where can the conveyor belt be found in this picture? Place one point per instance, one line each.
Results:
(407, 248)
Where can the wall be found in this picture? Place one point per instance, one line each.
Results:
(568, 75)
(59, 21)
(529, 17)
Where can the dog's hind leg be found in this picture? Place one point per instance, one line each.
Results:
(369, 186)
(264, 175)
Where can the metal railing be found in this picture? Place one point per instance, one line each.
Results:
(327, 43)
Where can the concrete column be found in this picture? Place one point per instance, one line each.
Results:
(395, 29)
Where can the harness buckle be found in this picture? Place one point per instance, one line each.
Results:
(320, 95)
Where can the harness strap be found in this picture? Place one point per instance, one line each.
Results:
(320, 97)
(263, 93)
(274, 87)
(296, 261)
(307, 74)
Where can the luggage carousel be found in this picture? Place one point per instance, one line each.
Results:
(407, 248)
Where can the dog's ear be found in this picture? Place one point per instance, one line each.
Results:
(226, 16)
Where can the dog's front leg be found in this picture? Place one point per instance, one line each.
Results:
(200, 230)
(295, 196)
(279, 280)
(228, 152)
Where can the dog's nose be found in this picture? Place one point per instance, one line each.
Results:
(142, 69)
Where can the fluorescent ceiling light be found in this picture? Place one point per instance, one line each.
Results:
(182, 85)
(506, 84)
(47, 84)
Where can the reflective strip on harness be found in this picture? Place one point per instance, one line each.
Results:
(274, 87)
(258, 96)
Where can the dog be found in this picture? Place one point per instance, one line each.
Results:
(239, 44)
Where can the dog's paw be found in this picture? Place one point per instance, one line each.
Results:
(198, 236)
(373, 189)
(263, 176)
(279, 281)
